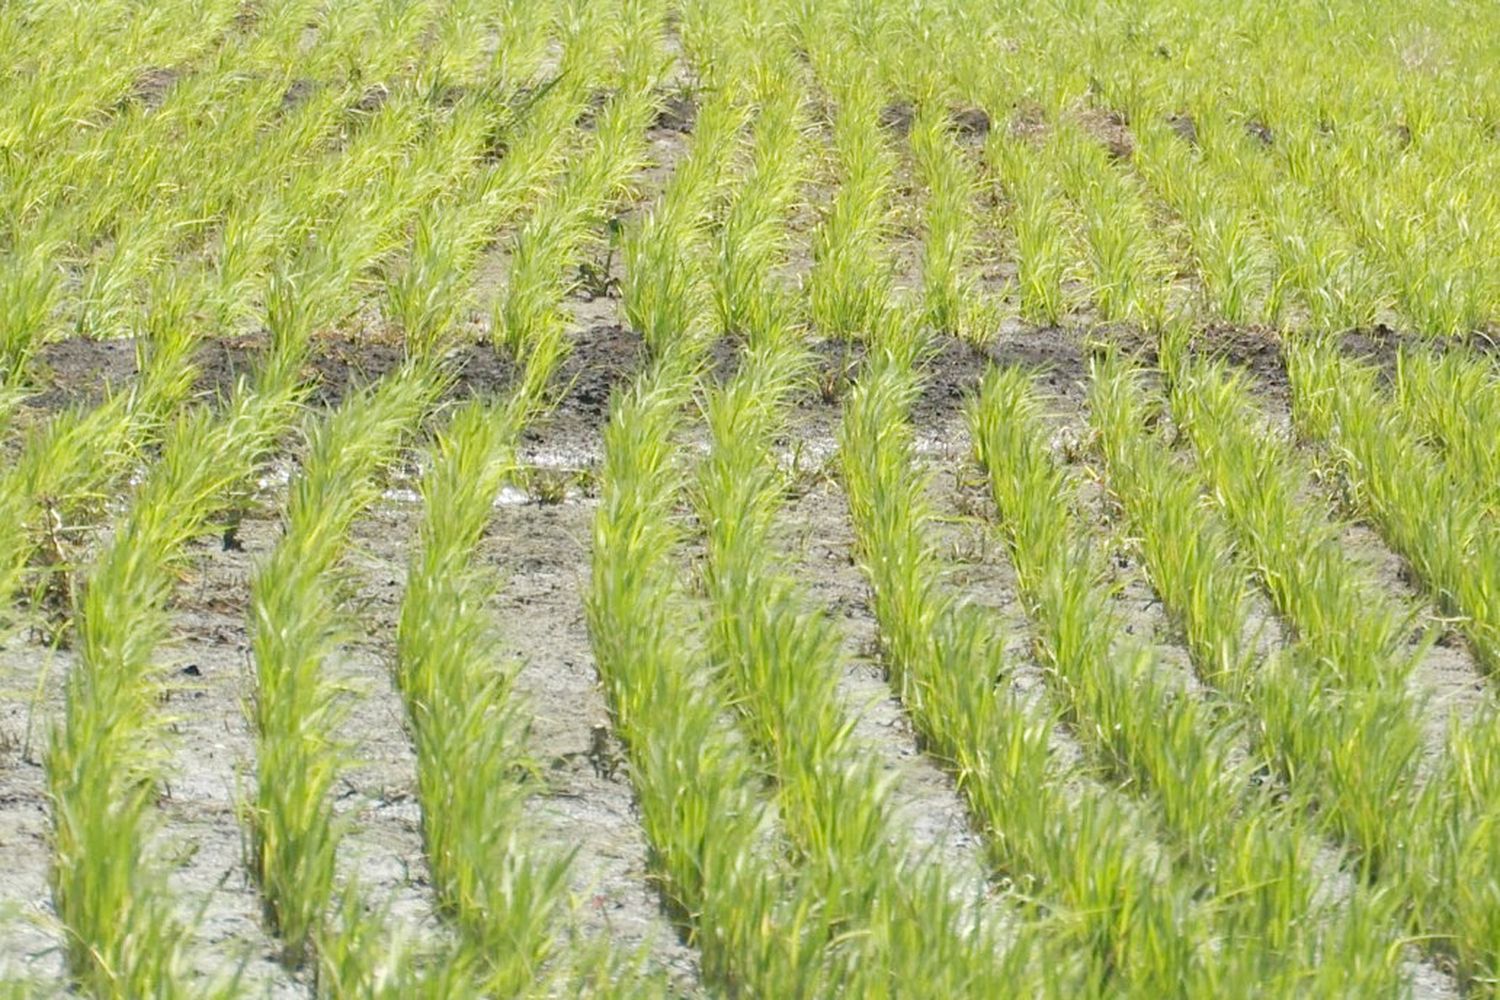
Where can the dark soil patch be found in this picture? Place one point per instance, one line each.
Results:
(1377, 345)
(1381, 346)
(151, 88)
(602, 358)
(1028, 121)
(297, 93)
(1110, 130)
(1058, 354)
(972, 123)
(678, 113)
(967, 122)
(1183, 125)
(81, 371)
(1260, 132)
(1256, 350)
(951, 369)
(373, 99)
(898, 117)
(1252, 349)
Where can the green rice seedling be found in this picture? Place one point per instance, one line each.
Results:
(502, 892)
(426, 293)
(182, 207)
(1399, 483)
(157, 200)
(295, 628)
(851, 277)
(1254, 852)
(780, 667)
(528, 319)
(663, 291)
(1227, 246)
(1192, 559)
(1411, 220)
(953, 301)
(104, 760)
(101, 59)
(1041, 234)
(69, 461)
(1453, 399)
(753, 239)
(1126, 274)
(1451, 868)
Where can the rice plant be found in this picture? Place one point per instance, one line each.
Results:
(851, 276)
(954, 303)
(104, 760)
(501, 891)
(295, 629)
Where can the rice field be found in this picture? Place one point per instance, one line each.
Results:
(749, 498)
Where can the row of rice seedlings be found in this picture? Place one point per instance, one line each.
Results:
(852, 269)
(779, 663)
(1419, 226)
(293, 832)
(122, 936)
(1231, 255)
(1196, 568)
(116, 428)
(1127, 269)
(663, 292)
(1398, 482)
(157, 202)
(425, 292)
(295, 628)
(129, 205)
(529, 318)
(712, 839)
(952, 298)
(1345, 679)
(1453, 400)
(753, 239)
(736, 899)
(1274, 923)
(502, 891)
(1339, 706)
(1040, 231)
(55, 473)
(1115, 917)
(331, 269)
